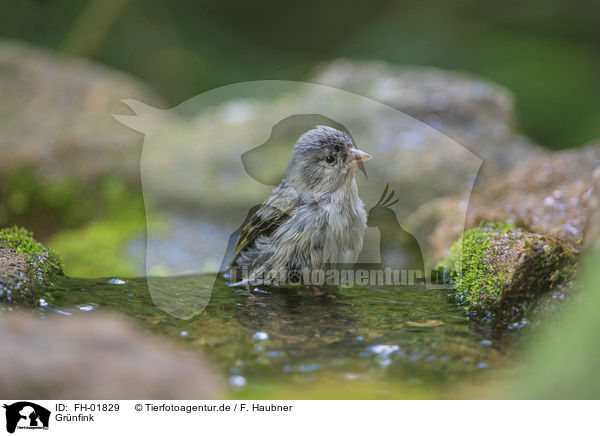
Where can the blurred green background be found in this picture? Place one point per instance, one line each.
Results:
(546, 52)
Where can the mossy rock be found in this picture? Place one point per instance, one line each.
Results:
(27, 268)
(501, 271)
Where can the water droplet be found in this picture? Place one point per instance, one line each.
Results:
(60, 312)
(87, 307)
(414, 381)
(518, 324)
(383, 350)
(309, 367)
(438, 101)
(415, 355)
(260, 336)
(116, 281)
(384, 362)
(237, 380)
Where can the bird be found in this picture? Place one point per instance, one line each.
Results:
(313, 219)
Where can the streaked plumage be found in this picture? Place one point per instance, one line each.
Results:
(314, 218)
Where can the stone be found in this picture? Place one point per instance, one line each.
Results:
(428, 141)
(56, 116)
(478, 114)
(98, 357)
(64, 160)
(27, 268)
(551, 195)
(592, 231)
(500, 271)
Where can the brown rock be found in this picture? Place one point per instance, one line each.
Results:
(56, 115)
(592, 231)
(95, 357)
(550, 195)
(500, 270)
(27, 268)
(476, 113)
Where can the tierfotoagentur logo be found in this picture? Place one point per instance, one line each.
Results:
(24, 415)
(252, 163)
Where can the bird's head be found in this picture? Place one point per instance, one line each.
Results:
(323, 160)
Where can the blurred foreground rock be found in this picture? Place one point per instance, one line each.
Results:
(95, 357)
(83, 357)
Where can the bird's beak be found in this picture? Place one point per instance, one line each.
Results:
(360, 156)
(358, 160)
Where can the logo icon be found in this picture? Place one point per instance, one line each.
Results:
(26, 415)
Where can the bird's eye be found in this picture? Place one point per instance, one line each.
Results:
(330, 160)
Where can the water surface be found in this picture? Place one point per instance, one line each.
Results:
(368, 342)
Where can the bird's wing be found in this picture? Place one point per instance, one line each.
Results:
(279, 207)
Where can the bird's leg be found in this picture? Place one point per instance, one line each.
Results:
(253, 298)
(249, 292)
(316, 291)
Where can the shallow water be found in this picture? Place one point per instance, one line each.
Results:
(368, 342)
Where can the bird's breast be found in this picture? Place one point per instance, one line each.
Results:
(345, 227)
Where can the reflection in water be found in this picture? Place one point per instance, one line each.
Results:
(371, 341)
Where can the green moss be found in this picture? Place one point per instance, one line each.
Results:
(27, 268)
(21, 241)
(499, 271)
(477, 282)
